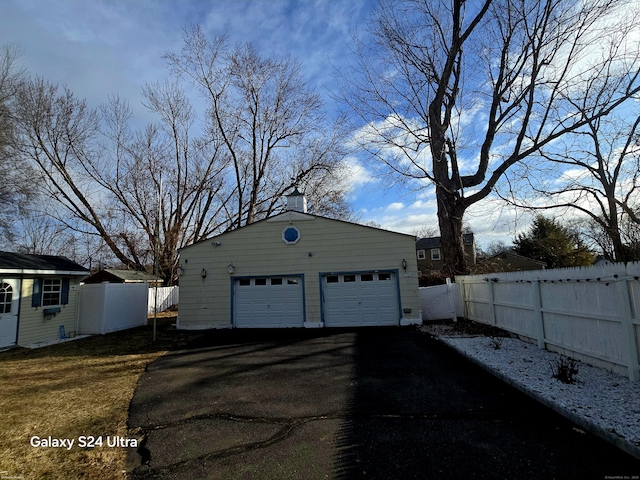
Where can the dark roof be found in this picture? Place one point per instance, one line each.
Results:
(115, 275)
(24, 261)
(511, 252)
(295, 193)
(436, 242)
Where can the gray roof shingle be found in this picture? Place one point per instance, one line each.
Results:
(24, 261)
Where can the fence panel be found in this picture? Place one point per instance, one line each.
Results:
(441, 302)
(166, 298)
(590, 313)
(109, 307)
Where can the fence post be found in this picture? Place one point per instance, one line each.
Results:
(452, 302)
(537, 308)
(492, 307)
(626, 317)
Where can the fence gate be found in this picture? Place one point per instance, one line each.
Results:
(441, 302)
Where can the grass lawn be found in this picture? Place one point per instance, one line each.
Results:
(73, 389)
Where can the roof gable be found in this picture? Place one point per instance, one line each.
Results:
(291, 216)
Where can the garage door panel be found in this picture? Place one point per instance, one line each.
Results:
(263, 302)
(360, 299)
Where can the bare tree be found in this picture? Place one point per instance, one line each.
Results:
(456, 93)
(600, 240)
(168, 187)
(146, 193)
(600, 180)
(17, 186)
(112, 188)
(271, 123)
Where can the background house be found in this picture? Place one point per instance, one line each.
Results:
(38, 297)
(510, 261)
(299, 270)
(429, 253)
(112, 275)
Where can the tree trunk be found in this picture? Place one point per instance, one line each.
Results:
(450, 212)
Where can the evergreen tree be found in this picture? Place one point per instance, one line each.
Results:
(551, 242)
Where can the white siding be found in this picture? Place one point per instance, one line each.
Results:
(33, 327)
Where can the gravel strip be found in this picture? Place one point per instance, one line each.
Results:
(600, 401)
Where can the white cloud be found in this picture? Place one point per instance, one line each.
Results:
(394, 207)
(355, 176)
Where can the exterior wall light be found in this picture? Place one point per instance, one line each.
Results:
(404, 264)
(180, 271)
(203, 273)
(231, 268)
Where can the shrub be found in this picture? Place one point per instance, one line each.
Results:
(496, 341)
(565, 370)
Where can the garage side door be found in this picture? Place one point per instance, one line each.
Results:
(268, 302)
(360, 299)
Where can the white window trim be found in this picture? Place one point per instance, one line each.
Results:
(287, 241)
(7, 291)
(422, 255)
(435, 254)
(59, 291)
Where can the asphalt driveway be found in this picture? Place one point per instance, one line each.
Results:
(384, 403)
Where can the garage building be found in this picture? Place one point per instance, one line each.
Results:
(296, 269)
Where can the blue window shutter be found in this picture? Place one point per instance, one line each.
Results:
(65, 291)
(36, 297)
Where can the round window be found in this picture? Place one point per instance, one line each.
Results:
(290, 235)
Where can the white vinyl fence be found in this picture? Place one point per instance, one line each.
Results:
(167, 297)
(109, 307)
(441, 302)
(588, 313)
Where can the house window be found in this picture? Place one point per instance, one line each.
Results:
(6, 295)
(435, 254)
(276, 281)
(333, 278)
(261, 281)
(422, 255)
(290, 235)
(384, 276)
(349, 278)
(51, 291)
(366, 277)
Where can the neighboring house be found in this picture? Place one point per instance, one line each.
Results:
(510, 261)
(38, 296)
(111, 275)
(299, 270)
(429, 253)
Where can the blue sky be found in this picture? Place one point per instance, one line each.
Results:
(100, 47)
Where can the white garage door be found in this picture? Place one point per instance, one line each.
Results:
(360, 299)
(268, 302)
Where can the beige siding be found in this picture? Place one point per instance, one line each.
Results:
(324, 246)
(33, 327)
